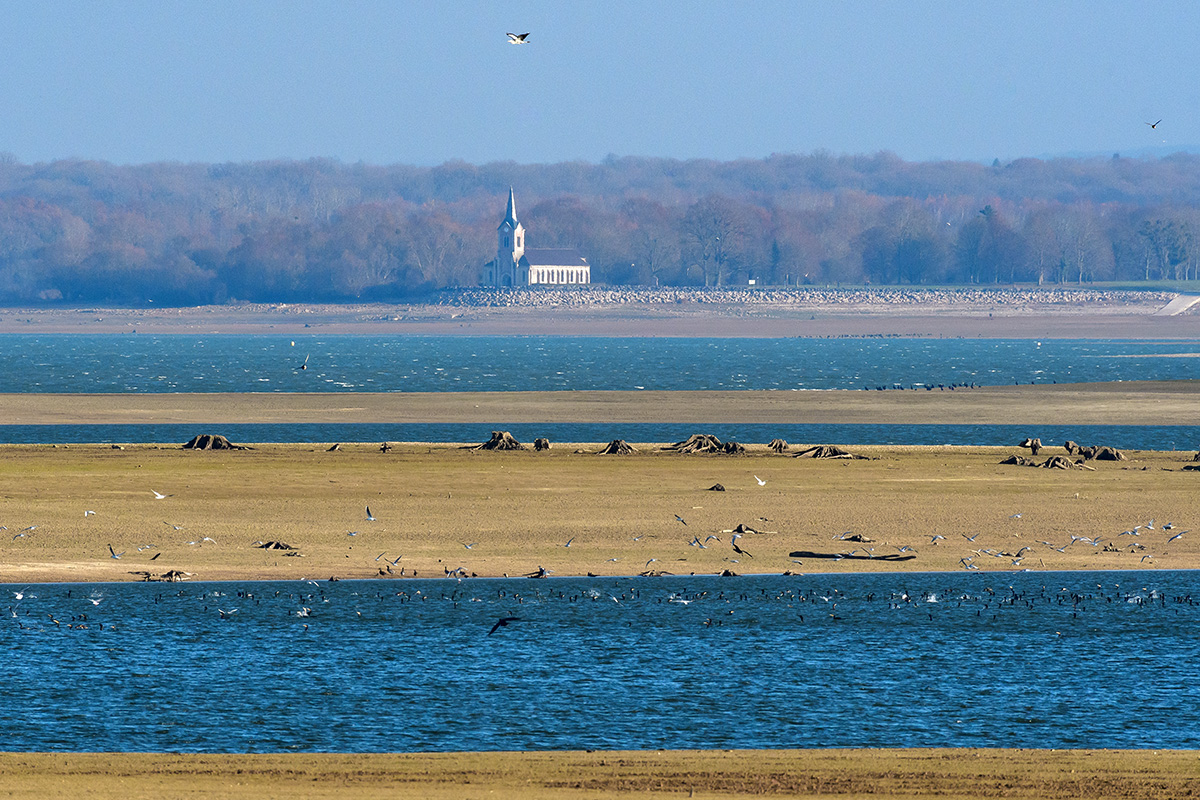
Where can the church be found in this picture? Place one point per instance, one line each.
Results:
(518, 265)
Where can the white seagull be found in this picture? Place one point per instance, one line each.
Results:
(761, 482)
(522, 38)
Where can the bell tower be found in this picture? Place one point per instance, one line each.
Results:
(510, 245)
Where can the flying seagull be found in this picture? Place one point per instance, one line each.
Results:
(1153, 125)
(503, 622)
(369, 517)
(522, 38)
(305, 364)
(680, 519)
(113, 553)
(160, 496)
(761, 482)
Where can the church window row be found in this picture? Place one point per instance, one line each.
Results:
(558, 276)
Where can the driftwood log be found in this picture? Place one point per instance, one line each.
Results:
(1034, 445)
(501, 440)
(618, 447)
(209, 442)
(1019, 461)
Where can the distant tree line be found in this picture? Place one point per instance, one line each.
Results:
(83, 232)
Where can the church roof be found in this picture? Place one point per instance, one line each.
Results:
(554, 257)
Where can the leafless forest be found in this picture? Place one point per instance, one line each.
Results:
(81, 232)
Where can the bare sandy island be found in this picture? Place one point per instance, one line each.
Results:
(948, 774)
(440, 511)
(626, 311)
(1130, 403)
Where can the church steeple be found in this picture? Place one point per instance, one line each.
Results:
(510, 246)
(510, 218)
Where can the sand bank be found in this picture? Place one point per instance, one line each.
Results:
(1010, 314)
(517, 509)
(948, 774)
(1132, 403)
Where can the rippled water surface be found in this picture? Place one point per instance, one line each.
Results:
(1089, 659)
(350, 363)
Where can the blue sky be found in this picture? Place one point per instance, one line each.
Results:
(400, 82)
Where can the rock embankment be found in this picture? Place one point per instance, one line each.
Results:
(994, 299)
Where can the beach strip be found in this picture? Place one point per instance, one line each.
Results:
(1117, 403)
(949, 774)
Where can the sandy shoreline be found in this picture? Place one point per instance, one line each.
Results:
(1027, 314)
(1129, 403)
(951, 774)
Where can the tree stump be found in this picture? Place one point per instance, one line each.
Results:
(697, 443)
(733, 448)
(778, 445)
(618, 447)
(501, 440)
(541, 444)
(209, 442)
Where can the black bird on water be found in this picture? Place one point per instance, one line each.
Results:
(503, 623)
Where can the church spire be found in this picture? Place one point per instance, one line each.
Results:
(510, 218)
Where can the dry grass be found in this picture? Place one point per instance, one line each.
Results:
(518, 509)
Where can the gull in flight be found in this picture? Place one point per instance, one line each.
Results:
(89, 513)
(305, 364)
(1176, 536)
(369, 517)
(1153, 125)
(568, 544)
(761, 482)
(736, 549)
(113, 553)
(468, 545)
(680, 519)
(160, 496)
(523, 38)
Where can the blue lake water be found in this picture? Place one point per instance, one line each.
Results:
(1044, 660)
(351, 363)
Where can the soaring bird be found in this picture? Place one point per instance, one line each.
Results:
(160, 495)
(369, 517)
(522, 38)
(761, 482)
(503, 622)
(736, 549)
(1153, 125)
(680, 519)
(113, 553)
(305, 364)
